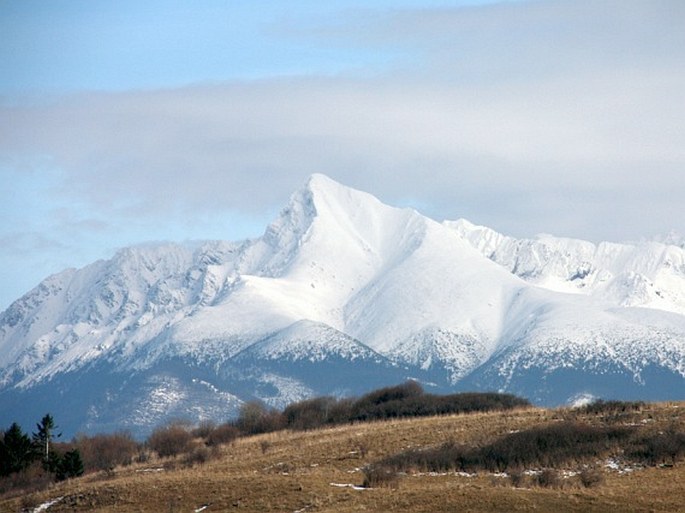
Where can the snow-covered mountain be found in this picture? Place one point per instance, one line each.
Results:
(340, 295)
(647, 274)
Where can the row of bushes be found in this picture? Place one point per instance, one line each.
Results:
(384, 476)
(613, 407)
(552, 446)
(405, 400)
(547, 446)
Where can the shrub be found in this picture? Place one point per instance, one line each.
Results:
(409, 400)
(197, 456)
(204, 428)
(385, 402)
(548, 478)
(444, 458)
(517, 478)
(309, 414)
(405, 400)
(591, 477)
(256, 418)
(546, 446)
(658, 447)
(340, 412)
(265, 445)
(552, 445)
(170, 440)
(611, 408)
(143, 454)
(376, 476)
(222, 434)
(30, 479)
(104, 452)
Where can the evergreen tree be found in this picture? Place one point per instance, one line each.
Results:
(16, 451)
(42, 439)
(70, 465)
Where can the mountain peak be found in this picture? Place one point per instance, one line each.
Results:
(328, 196)
(321, 182)
(333, 207)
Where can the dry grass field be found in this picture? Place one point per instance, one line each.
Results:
(319, 471)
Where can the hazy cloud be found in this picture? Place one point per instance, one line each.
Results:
(563, 117)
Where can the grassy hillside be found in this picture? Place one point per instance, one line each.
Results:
(316, 471)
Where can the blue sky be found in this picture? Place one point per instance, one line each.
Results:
(65, 46)
(124, 122)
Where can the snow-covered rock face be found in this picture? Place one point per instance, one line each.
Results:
(340, 294)
(646, 274)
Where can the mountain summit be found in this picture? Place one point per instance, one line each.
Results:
(340, 295)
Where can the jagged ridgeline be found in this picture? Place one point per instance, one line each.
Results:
(341, 295)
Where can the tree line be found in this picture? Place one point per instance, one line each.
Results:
(18, 451)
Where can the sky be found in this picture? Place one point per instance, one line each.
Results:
(123, 122)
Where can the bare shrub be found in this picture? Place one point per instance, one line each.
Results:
(377, 476)
(104, 452)
(601, 407)
(658, 447)
(204, 429)
(363, 448)
(549, 478)
(591, 477)
(341, 411)
(197, 456)
(32, 479)
(443, 458)
(309, 414)
(170, 440)
(256, 418)
(517, 478)
(541, 446)
(264, 445)
(552, 445)
(143, 455)
(222, 434)
(385, 402)
(29, 502)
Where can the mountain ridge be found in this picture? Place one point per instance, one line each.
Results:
(340, 282)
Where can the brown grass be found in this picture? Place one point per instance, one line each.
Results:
(299, 471)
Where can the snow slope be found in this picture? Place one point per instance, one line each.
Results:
(647, 274)
(340, 294)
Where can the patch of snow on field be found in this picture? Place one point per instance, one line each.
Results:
(46, 505)
(348, 485)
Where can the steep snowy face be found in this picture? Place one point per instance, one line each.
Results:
(326, 246)
(648, 274)
(106, 308)
(440, 284)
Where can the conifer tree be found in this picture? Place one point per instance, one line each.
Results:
(71, 465)
(42, 439)
(16, 451)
